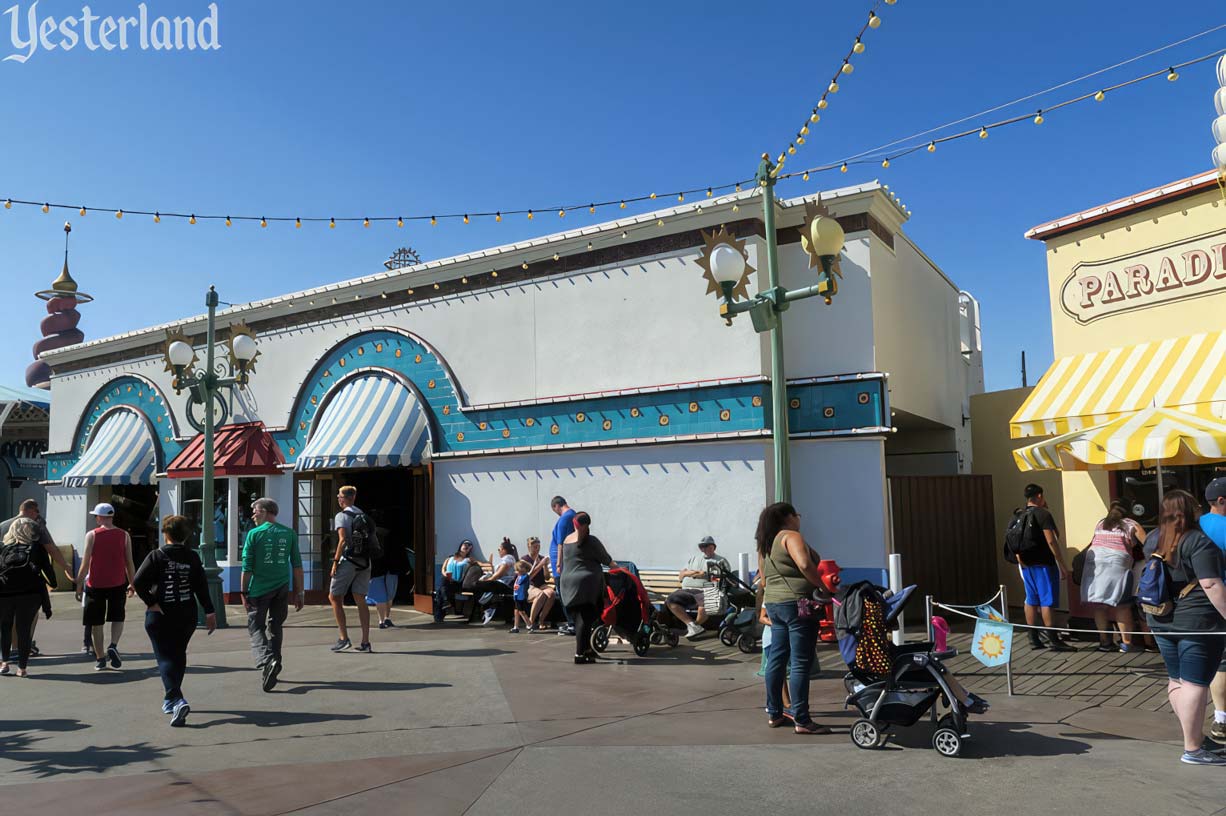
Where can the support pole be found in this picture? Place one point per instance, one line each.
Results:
(896, 586)
(1004, 613)
(208, 389)
(932, 635)
(779, 396)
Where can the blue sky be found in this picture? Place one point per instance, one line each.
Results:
(351, 109)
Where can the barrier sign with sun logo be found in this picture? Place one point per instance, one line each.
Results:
(992, 642)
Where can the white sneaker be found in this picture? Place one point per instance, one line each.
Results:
(489, 616)
(693, 630)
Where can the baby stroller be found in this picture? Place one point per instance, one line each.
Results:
(740, 626)
(893, 685)
(628, 613)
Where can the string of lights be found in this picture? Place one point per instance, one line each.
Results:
(845, 68)
(366, 221)
(1038, 117)
(878, 150)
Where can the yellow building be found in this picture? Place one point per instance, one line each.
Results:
(1138, 311)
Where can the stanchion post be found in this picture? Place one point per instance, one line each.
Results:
(1004, 613)
(928, 619)
(896, 586)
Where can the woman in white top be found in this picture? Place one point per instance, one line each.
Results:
(1106, 583)
(497, 585)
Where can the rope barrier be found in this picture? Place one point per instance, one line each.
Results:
(1082, 631)
(973, 606)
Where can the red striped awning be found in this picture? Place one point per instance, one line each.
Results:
(244, 449)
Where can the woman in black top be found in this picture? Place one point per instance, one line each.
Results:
(170, 581)
(23, 588)
(581, 584)
(1194, 564)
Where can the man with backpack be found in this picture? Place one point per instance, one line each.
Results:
(357, 545)
(29, 509)
(1032, 541)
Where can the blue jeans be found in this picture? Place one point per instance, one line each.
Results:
(790, 657)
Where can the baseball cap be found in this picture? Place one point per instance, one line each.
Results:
(706, 541)
(1216, 489)
(103, 509)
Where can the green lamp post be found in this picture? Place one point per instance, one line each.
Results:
(207, 409)
(725, 262)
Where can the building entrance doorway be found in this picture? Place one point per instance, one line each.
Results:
(399, 502)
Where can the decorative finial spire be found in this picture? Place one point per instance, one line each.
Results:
(59, 327)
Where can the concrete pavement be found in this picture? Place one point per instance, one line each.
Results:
(475, 720)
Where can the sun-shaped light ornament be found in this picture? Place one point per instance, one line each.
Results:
(992, 645)
(179, 356)
(822, 239)
(725, 266)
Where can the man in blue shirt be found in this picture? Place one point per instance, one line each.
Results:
(565, 526)
(1213, 524)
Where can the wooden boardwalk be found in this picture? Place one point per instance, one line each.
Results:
(1136, 681)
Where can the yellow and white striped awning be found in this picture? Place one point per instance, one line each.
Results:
(1085, 390)
(1146, 437)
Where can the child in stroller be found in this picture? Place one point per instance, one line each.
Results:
(896, 685)
(629, 614)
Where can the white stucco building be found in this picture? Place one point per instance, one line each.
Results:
(460, 395)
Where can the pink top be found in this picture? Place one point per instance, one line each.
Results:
(109, 561)
(1120, 539)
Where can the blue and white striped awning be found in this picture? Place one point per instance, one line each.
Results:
(121, 452)
(373, 421)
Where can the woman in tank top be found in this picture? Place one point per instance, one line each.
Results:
(789, 569)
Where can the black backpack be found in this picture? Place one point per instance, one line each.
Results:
(17, 562)
(361, 541)
(1019, 535)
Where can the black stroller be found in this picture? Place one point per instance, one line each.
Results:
(893, 685)
(740, 626)
(628, 613)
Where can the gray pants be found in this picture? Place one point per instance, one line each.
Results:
(267, 611)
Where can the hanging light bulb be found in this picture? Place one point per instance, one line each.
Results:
(782, 158)
(834, 87)
(736, 207)
(561, 213)
(885, 163)
(192, 220)
(804, 130)
(436, 286)
(464, 280)
(524, 265)
(681, 196)
(46, 208)
(399, 221)
(660, 222)
(738, 188)
(591, 208)
(710, 192)
(119, 214)
(530, 215)
(555, 256)
(623, 205)
(822, 104)
(873, 20)
(1038, 118)
(847, 68)
(805, 177)
(82, 210)
(983, 132)
(625, 234)
(815, 116)
(791, 149)
(589, 246)
(263, 221)
(890, 2)
(408, 291)
(433, 221)
(465, 218)
(331, 223)
(297, 223)
(843, 169)
(1099, 97)
(227, 219)
(858, 47)
(498, 216)
(932, 147)
(800, 140)
(1171, 75)
(157, 218)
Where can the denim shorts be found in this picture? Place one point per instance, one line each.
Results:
(1191, 659)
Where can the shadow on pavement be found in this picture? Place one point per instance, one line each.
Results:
(993, 740)
(94, 759)
(357, 685)
(459, 652)
(113, 676)
(271, 719)
(40, 725)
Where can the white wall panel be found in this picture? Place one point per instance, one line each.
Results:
(838, 487)
(649, 505)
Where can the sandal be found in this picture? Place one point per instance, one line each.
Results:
(4, 668)
(811, 728)
(776, 722)
(22, 673)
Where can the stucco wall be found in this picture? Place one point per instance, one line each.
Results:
(990, 415)
(838, 486)
(649, 505)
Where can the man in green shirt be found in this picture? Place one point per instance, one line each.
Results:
(270, 551)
